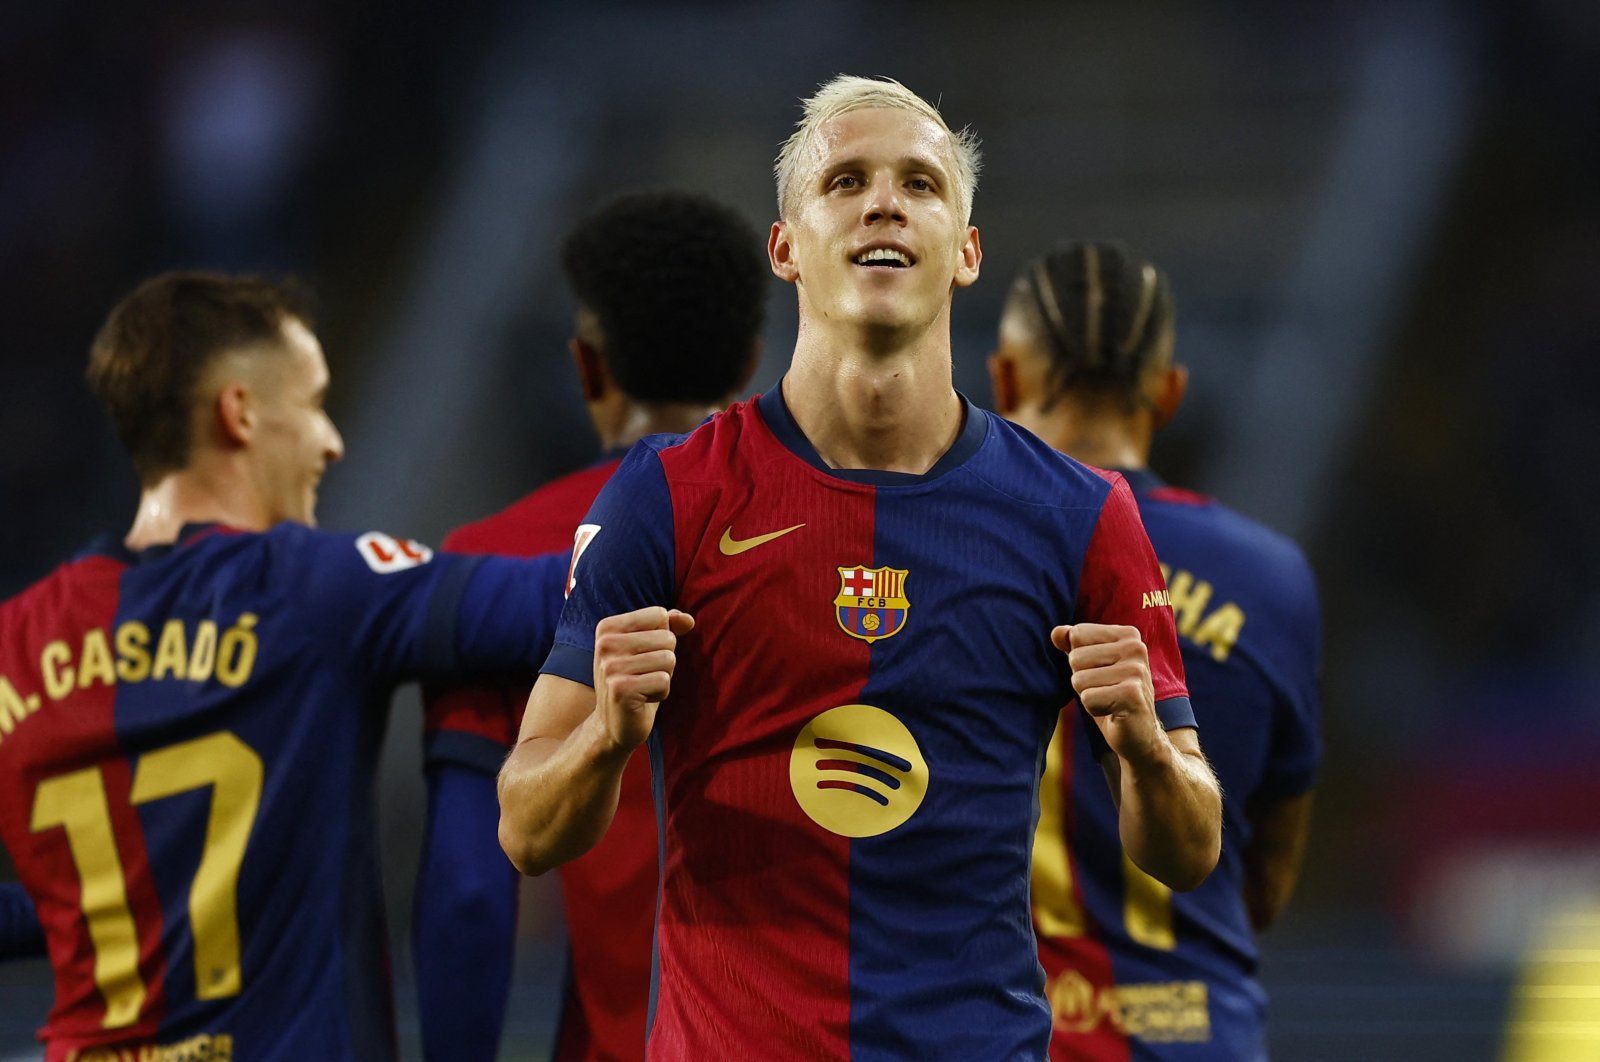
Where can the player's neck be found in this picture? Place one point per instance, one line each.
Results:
(195, 495)
(1098, 438)
(896, 412)
(634, 420)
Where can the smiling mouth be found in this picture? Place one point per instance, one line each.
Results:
(884, 258)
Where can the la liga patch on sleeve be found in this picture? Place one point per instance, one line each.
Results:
(580, 542)
(386, 554)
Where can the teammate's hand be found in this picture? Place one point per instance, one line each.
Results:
(1111, 672)
(634, 657)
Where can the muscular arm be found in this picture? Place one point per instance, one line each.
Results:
(1272, 859)
(1169, 807)
(558, 789)
(1169, 810)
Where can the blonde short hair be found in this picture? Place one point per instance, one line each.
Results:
(848, 93)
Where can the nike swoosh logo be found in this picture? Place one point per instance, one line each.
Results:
(732, 547)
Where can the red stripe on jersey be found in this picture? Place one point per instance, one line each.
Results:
(1178, 496)
(74, 737)
(754, 928)
(1119, 545)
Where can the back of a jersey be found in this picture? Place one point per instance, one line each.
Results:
(185, 735)
(1138, 970)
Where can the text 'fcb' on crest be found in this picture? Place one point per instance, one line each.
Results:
(872, 602)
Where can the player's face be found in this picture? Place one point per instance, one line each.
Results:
(874, 234)
(297, 439)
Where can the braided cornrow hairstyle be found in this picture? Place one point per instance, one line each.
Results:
(1102, 312)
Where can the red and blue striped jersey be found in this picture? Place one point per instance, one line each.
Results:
(847, 770)
(188, 739)
(1136, 971)
(608, 894)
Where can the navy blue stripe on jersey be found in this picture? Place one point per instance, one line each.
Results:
(464, 750)
(502, 586)
(439, 643)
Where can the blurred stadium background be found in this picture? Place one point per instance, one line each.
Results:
(1382, 225)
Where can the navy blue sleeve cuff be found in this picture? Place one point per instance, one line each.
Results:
(465, 750)
(570, 662)
(1175, 712)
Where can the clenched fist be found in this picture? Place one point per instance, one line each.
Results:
(634, 657)
(1111, 672)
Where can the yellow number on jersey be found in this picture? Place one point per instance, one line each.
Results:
(1146, 903)
(78, 803)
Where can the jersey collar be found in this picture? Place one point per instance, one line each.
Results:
(109, 545)
(1141, 480)
(775, 412)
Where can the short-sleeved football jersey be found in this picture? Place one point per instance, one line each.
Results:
(609, 893)
(847, 770)
(1135, 970)
(188, 738)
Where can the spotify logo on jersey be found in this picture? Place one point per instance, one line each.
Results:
(857, 771)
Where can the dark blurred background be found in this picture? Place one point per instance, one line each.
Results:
(1381, 221)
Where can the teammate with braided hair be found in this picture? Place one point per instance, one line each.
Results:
(1136, 971)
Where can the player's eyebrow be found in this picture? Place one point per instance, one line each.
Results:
(904, 164)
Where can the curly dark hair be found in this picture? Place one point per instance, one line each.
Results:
(151, 351)
(1100, 312)
(678, 283)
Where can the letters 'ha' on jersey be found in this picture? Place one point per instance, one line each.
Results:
(188, 737)
(1135, 970)
(608, 894)
(846, 771)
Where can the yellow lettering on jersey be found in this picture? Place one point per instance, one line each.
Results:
(1216, 631)
(13, 708)
(1189, 598)
(1163, 1012)
(107, 658)
(1219, 632)
(55, 663)
(133, 651)
(204, 1047)
(172, 652)
(204, 655)
(94, 662)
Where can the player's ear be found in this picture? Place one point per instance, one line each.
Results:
(594, 379)
(780, 252)
(234, 414)
(971, 258)
(1003, 378)
(1171, 387)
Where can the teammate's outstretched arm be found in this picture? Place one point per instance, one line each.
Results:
(1169, 807)
(558, 788)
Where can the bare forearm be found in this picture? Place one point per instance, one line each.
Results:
(1170, 816)
(558, 796)
(1273, 857)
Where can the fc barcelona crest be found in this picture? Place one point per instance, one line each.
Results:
(872, 602)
